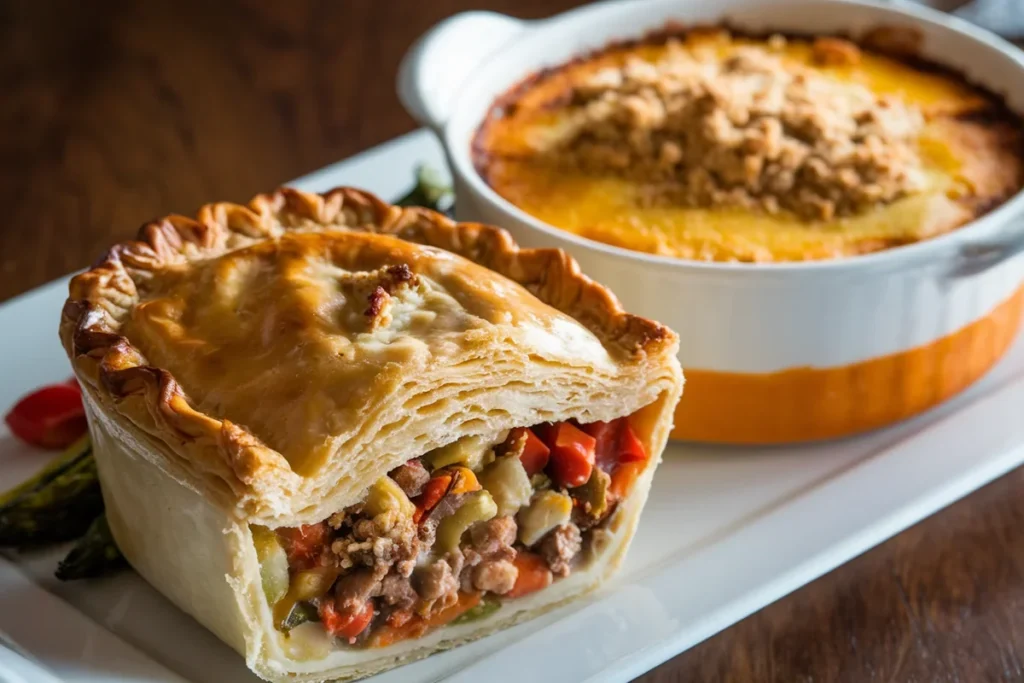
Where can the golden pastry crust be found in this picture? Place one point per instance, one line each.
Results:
(162, 293)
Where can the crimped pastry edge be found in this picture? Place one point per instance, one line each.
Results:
(225, 459)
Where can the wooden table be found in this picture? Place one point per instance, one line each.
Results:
(116, 112)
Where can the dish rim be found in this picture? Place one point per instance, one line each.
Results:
(983, 232)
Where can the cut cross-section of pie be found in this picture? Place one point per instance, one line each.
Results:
(343, 435)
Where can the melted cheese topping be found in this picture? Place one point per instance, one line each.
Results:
(969, 167)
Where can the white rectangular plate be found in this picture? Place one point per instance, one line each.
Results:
(726, 531)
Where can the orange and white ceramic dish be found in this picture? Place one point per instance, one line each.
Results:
(788, 350)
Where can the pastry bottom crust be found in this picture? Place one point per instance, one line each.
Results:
(202, 558)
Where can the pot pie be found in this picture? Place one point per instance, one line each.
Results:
(343, 435)
(712, 146)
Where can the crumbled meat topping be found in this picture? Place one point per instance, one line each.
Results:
(751, 130)
(559, 548)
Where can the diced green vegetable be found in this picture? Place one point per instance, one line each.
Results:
(58, 504)
(478, 507)
(273, 563)
(507, 482)
(95, 554)
(313, 583)
(301, 613)
(53, 469)
(547, 510)
(472, 451)
(594, 494)
(387, 496)
(484, 608)
(431, 191)
(305, 586)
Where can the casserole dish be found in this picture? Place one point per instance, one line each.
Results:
(343, 435)
(787, 351)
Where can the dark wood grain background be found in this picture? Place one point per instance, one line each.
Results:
(116, 112)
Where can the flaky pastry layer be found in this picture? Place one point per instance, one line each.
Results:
(280, 356)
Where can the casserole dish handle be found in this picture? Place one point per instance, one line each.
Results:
(442, 59)
(979, 257)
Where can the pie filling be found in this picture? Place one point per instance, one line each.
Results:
(448, 536)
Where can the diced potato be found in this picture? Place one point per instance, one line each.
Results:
(307, 642)
(547, 510)
(273, 563)
(478, 507)
(472, 451)
(387, 496)
(507, 482)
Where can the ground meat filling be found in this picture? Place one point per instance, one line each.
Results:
(559, 548)
(380, 544)
(411, 477)
(489, 556)
(448, 536)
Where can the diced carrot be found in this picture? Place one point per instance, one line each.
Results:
(399, 618)
(630, 448)
(535, 454)
(433, 492)
(303, 544)
(418, 626)
(624, 476)
(465, 480)
(572, 455)
(345, 625)
(533, 576)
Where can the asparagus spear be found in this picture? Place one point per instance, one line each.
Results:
(94, 554)
(58, 504)
(53, 469)
(430, 191)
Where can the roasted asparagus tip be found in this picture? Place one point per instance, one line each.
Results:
(431, 191)
(95, 554)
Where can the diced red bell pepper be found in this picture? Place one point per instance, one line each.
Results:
(572, 455)
(630, 448)
(607, 436)
(535, 454)
(345, 625)
(52, 417)
(304, 544)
